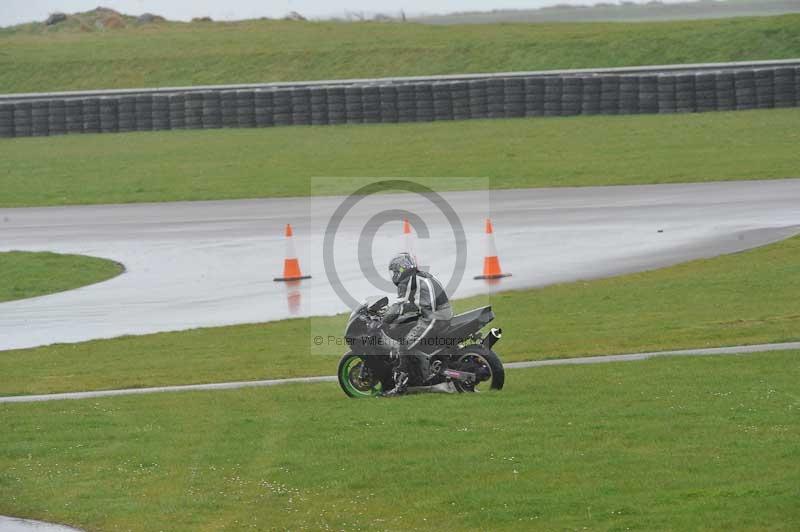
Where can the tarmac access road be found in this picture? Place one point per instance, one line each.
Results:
(13, 524)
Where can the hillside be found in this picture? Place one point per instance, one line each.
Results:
(75, 55)
(623, 12)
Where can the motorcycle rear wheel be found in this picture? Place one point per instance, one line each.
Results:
(477, 355)
(350, 381)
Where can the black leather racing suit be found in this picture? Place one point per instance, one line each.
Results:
(421, 293)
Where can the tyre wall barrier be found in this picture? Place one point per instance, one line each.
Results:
(759, 87)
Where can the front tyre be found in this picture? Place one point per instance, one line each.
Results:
(485, 364)
(356, 379)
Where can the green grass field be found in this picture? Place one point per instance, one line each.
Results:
(514, 153)
(176, 54)
(745, 298)
(27, 274)
(670, 444)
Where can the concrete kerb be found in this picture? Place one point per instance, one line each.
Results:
(734, 350)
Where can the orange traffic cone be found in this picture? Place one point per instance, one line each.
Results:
(291, 266)
(491, 264)
(408, 237)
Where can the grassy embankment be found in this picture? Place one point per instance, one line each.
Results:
(669, 444)
(745, 298)
(68, 57)
(27, 274)
(225, 164)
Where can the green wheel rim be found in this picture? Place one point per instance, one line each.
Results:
(347, 368)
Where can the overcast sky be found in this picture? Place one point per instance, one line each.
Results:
(17, 11)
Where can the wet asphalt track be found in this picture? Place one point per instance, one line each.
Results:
(13, 524)
(212, 263)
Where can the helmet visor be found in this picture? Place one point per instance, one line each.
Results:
(397, 275)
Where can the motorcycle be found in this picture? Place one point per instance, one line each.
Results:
(460, 357)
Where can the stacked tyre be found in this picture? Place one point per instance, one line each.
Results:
(442, 102)
(58, 117)
(765, 88)
(609, 95)
(666, 93)
(725, 91)
(212, 110)
(354, 107)
(648, 94)
(263, 108)
(6, 120)
(301, 107)
(109, 115)
(161, 112)
(337, 105)
(144, 112)
(91, 115)
(684, 93)
(23, 121)
(319, 106)
(629, 95)
(74, 112)
(228, 111)
(785, 87)
(514, 89)
(177, 111)
(797, 86)
(423, 96)
(478, 98)
(534, 97)
(495, 98)
(705, 92)
(591, 94)
(388, 97)
(126, 114)
(459, 94)
(193, 110)
(571, 96)
(40, 118)
(745, 89)
(282, 107)
(406, 105)
(371, 104)
(553, 90)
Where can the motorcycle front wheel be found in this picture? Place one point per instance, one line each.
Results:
(356, 380)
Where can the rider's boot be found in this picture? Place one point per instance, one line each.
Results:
(400, 384)
(424, 365)
(400, 373)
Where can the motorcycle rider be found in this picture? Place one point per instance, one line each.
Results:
(422, 294)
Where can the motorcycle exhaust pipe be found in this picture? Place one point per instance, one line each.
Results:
(462, 376)
(492, 338)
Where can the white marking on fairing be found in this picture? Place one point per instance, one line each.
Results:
(424, 333)
(431, 294)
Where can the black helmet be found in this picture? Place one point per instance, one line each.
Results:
(402, 267)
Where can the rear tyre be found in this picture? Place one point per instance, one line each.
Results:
(478, 359)
(350, 380)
